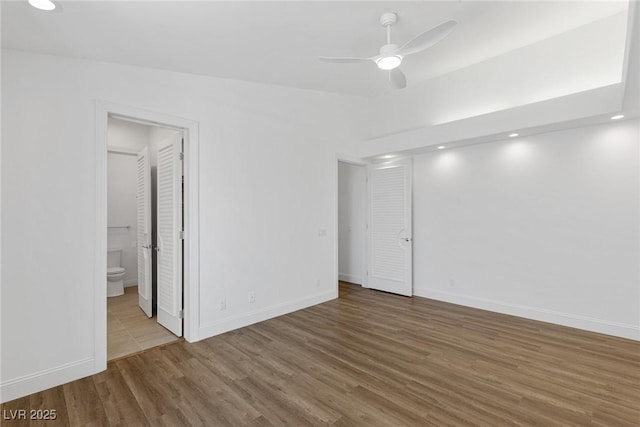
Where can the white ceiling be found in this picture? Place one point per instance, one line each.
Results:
(279, 42)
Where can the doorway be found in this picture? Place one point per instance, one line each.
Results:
(144, 242)
(180, 255)
(374, 216)
(352, 190)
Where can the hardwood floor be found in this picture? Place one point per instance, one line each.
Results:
(366, 359)
(129, 330)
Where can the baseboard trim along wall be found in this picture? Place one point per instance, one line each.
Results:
(130, 283)
(246, 319)
(621, 330)
(32, 383)
(351, 278)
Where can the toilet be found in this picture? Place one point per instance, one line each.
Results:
(115, 273)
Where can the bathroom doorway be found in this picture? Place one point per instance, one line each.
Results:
(145, 235)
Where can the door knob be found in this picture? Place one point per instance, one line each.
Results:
(407, 239)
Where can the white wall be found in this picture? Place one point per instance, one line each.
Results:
(351, 222)
(121, 211)
(545, 227)
(128, 135)
(121, 192)
(267, 189)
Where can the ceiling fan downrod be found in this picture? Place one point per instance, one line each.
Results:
(387, 19)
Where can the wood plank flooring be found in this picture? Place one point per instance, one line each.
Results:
(366, 359)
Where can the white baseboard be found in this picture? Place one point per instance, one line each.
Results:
(246, 319)
(621, 330)
(351, 278)
(52, 377)
(131, 282)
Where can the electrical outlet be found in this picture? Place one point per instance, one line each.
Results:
(252, 297)
(223, 304)
(317, 283)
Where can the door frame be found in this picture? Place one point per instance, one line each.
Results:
(191, 275)
(346, 158)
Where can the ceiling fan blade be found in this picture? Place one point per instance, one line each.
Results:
(343, 60)
(427, 39)
(397, 79)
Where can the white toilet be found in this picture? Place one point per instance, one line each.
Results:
(115, 273)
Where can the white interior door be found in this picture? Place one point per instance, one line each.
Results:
(169, 240)
(143, 196)
(390, 231)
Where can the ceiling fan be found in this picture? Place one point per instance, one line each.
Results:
(390, 56)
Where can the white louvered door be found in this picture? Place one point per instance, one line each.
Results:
(390, 242)
(169, 242)
(143, 200)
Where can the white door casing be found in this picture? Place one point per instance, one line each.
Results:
(390, 227)
(143, 200)
(191, 280)
(169, 240)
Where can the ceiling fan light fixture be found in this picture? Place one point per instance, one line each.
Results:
(391, 55)
(47, 5)
(389, 62)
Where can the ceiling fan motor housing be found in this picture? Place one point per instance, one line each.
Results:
(388, 49)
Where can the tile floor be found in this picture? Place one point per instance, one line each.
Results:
(129, 330)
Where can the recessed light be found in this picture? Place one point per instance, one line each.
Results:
(441, 147)
(617, 117)
(513, 135)
(43, 4)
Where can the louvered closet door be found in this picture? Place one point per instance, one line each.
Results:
(143, 200)
(390, 243)
(169, 224)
